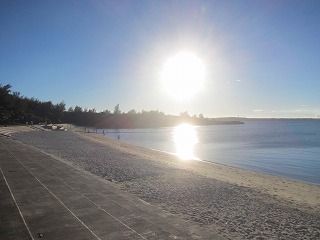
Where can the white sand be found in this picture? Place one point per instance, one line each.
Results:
(299, 193)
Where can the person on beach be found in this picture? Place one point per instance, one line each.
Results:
(103, 132)
(118, 137)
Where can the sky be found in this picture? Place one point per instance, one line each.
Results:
(261, 58)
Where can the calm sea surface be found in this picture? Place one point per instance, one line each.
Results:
(288, 148)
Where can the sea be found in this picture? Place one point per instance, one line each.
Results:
(288, 148)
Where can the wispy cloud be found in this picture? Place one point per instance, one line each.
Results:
(233, 81)
(297, 112)
(257, 110)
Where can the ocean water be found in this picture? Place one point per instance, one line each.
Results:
(287, 148)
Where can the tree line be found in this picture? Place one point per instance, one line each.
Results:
(16, 109)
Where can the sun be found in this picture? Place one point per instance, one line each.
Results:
(183, 75)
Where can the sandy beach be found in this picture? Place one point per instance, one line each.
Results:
(235, 203)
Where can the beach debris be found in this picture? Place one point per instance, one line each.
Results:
(40, 235)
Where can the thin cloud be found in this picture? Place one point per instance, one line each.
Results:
(257, 110)
(233, 81)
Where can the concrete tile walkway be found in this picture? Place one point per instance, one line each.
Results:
(42, 197)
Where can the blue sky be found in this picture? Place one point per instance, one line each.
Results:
(262, 58)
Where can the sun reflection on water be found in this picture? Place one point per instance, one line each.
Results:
(185, 138)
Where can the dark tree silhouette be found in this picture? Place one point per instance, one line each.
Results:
(117, 109)
(16, 109)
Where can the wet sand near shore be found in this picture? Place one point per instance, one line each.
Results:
(236, 203)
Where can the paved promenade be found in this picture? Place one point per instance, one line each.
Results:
(42, 197)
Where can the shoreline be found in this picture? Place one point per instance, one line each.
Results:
(291, 156)
(282, 187)
(233, 202)
(225, 165)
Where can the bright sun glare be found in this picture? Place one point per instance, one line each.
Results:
(185, 138)
(183, 75)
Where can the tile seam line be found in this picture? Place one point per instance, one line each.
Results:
(50, 193)
(14, 199)
(95, 203)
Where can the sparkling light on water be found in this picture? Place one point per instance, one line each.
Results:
(185, 138)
